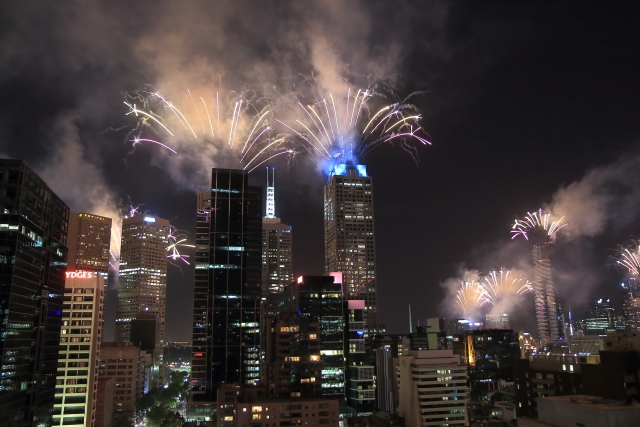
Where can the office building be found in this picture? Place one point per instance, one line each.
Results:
(142, 280)
(80, 336)
(432, 389)
(227, 293)
(145, 334)
(89, 242)
(631, 304)
(360, 364)
(543, 375)
(123, 362)
(600, 318)
(386, 398)
(584, 344)
(396, 343)
(349, 240)
(320, 299)
(440, 331)
(583, 410)
(549, 317)
(490, 354)
(293, 365)
(104, 402)
(499, 321)
(33, 261)
(277, 267)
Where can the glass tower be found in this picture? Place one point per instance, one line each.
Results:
(349, 241)
(631, 304)
(226, 314)
(33, 260)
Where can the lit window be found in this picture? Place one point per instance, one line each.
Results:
(256, 409)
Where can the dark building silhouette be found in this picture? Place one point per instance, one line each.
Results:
(228, 269)
(33, 260)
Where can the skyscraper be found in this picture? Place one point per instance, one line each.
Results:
(226, 313)
(79, 349)
(549, 316)
(349, 241)
(142, 280)
(33, 260)
(600, 318)
(277, 269)
(88, 242)
(631, 304)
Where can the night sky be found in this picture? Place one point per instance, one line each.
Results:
(526, 103)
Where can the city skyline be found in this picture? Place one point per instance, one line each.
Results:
(521, 77)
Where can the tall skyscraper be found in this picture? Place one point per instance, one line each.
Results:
(142, 279)
(631, 304)
(349, 241)
(277, 269)
(88, 242)
(80, 335)
(549, 316)
(226, 313)
(33, 260)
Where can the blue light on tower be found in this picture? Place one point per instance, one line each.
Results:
(340, 169)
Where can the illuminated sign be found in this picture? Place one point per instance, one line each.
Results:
(80, 274)
(197, 354)
(149, 219)
(300, 279)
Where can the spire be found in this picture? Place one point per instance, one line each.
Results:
(271, 199)
(410, 324)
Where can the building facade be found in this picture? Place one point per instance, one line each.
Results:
(320, 298)
(349, 239)
(89, 242)
(227, 293)
(80, 336)
(33, 261)
(360, 385)
(432, 389)
(277, 264)
(122, 362)
(142, 279)
(600, 318)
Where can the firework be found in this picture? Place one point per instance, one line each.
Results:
(540, 223)
(318, 125)
(470, 296)
(500, 284)
(629, 258)
(260, 144)
(177, 239)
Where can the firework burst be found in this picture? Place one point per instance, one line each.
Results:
(540, 223)
(337, 129)
(629, 258)
(470, 297)
(500, 284)
(177, 240)
(238, 114)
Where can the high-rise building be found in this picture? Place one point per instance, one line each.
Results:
(80, 336)
(549, 316)
(349, 240)
(277, 268)
(33, 260)
(320, 298)
(600, 318)
(142, 280)
(292, 357)
(360, 364)
(432, 389)
(631, 304)
(124, 363)
(226, 313)
(89, 241)
(499, 321)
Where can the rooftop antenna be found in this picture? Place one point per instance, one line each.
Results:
(271, 198)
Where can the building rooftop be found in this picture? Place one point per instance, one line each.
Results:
(593, 402)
